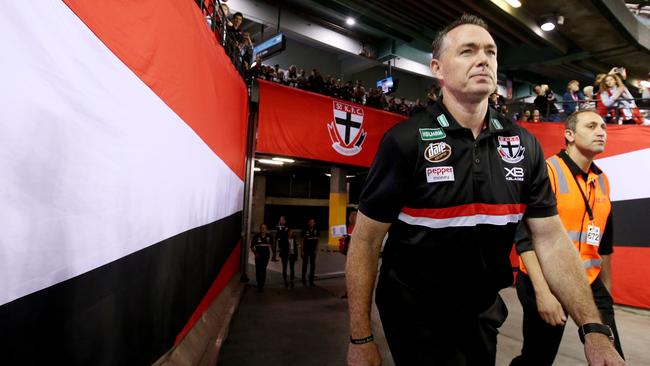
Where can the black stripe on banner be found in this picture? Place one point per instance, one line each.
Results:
(127, 312)
(631, 228)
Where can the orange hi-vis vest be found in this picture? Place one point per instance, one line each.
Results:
(573, 213)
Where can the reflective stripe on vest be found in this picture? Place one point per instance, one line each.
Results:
(601, 183)
(589, 263)
(578, 236)
(561, 178)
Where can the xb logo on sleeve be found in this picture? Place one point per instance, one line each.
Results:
(514, 174)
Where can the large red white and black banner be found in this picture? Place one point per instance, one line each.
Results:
(122, 134)
(626, 162)
(296, 123)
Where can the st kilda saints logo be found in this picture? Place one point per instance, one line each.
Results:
(345, 131)
(510, 149)
(437, 152)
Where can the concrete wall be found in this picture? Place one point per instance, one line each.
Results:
(307, 57)
(410, 87)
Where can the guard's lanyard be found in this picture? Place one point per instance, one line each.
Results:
(584, 198)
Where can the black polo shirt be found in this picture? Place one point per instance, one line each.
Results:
(262, 244)
(606, 247)
(454, 203)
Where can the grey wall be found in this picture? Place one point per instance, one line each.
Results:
(307, 57)
(410, 87)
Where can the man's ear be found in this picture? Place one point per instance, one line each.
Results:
(436, 69)
(568, 135)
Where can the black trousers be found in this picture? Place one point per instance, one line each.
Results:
(427, 331)
(309, 259)
(542, 340)
(261, 261)
(289, 259)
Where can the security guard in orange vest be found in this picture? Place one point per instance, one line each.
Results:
(582, 193)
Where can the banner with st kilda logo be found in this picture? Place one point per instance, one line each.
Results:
(345, 130)
(296, 123)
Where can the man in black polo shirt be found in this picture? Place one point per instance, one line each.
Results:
(452, 184)
(308, 250)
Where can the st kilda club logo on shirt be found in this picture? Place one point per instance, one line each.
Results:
(345, 131)
(510, 149)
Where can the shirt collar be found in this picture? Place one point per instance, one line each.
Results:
(574, 168)
(495, 122)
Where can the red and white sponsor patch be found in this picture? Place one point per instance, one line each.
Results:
(440, 174)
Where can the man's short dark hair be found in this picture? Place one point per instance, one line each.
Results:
(238, 14)
(437, 45)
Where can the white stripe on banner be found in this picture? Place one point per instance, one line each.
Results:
(628, 174)
(93, 165)
(461, 220)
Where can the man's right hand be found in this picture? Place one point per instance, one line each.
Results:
(550, 309)
(600, 351)
(364, 354)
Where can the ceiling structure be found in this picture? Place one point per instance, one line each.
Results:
(596, 35)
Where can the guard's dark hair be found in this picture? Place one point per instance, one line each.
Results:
(438, 42)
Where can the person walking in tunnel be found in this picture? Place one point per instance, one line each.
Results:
(450, 186)
(282, 241)
(261, 247)
(582, 194)
(308, 250)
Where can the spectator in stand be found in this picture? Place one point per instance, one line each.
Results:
(359, 94)
(247, 51)
(403, 107)
(493, 100)
(503, 110)
(374, 98)
(432, 95)
(292, 76)
(645, 89)
(545, 103)
(615, 95)
(347, 90)
(572, 97)
(522, 116)
(315, 81)
(589, 102)
(536, 117)
(303, 82)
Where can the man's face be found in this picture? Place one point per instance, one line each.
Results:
(236, 21)
(311, 224)
(590, 135)
(535, 115)
(263, 229)
(468, 62)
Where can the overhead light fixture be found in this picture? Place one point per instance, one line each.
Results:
(350, 176)
(514, 3)
(284, 160)
(270, 162)
(328, 174)
(350, 21)
(547, 25)
(548, 22)
(256, 169)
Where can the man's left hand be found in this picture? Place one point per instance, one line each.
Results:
(600, 351)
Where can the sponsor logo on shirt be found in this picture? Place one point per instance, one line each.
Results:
(510, 149)
(440, 174)
(437, 152)
(514, 174)
(427, 134)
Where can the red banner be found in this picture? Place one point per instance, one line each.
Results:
(301, 124)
